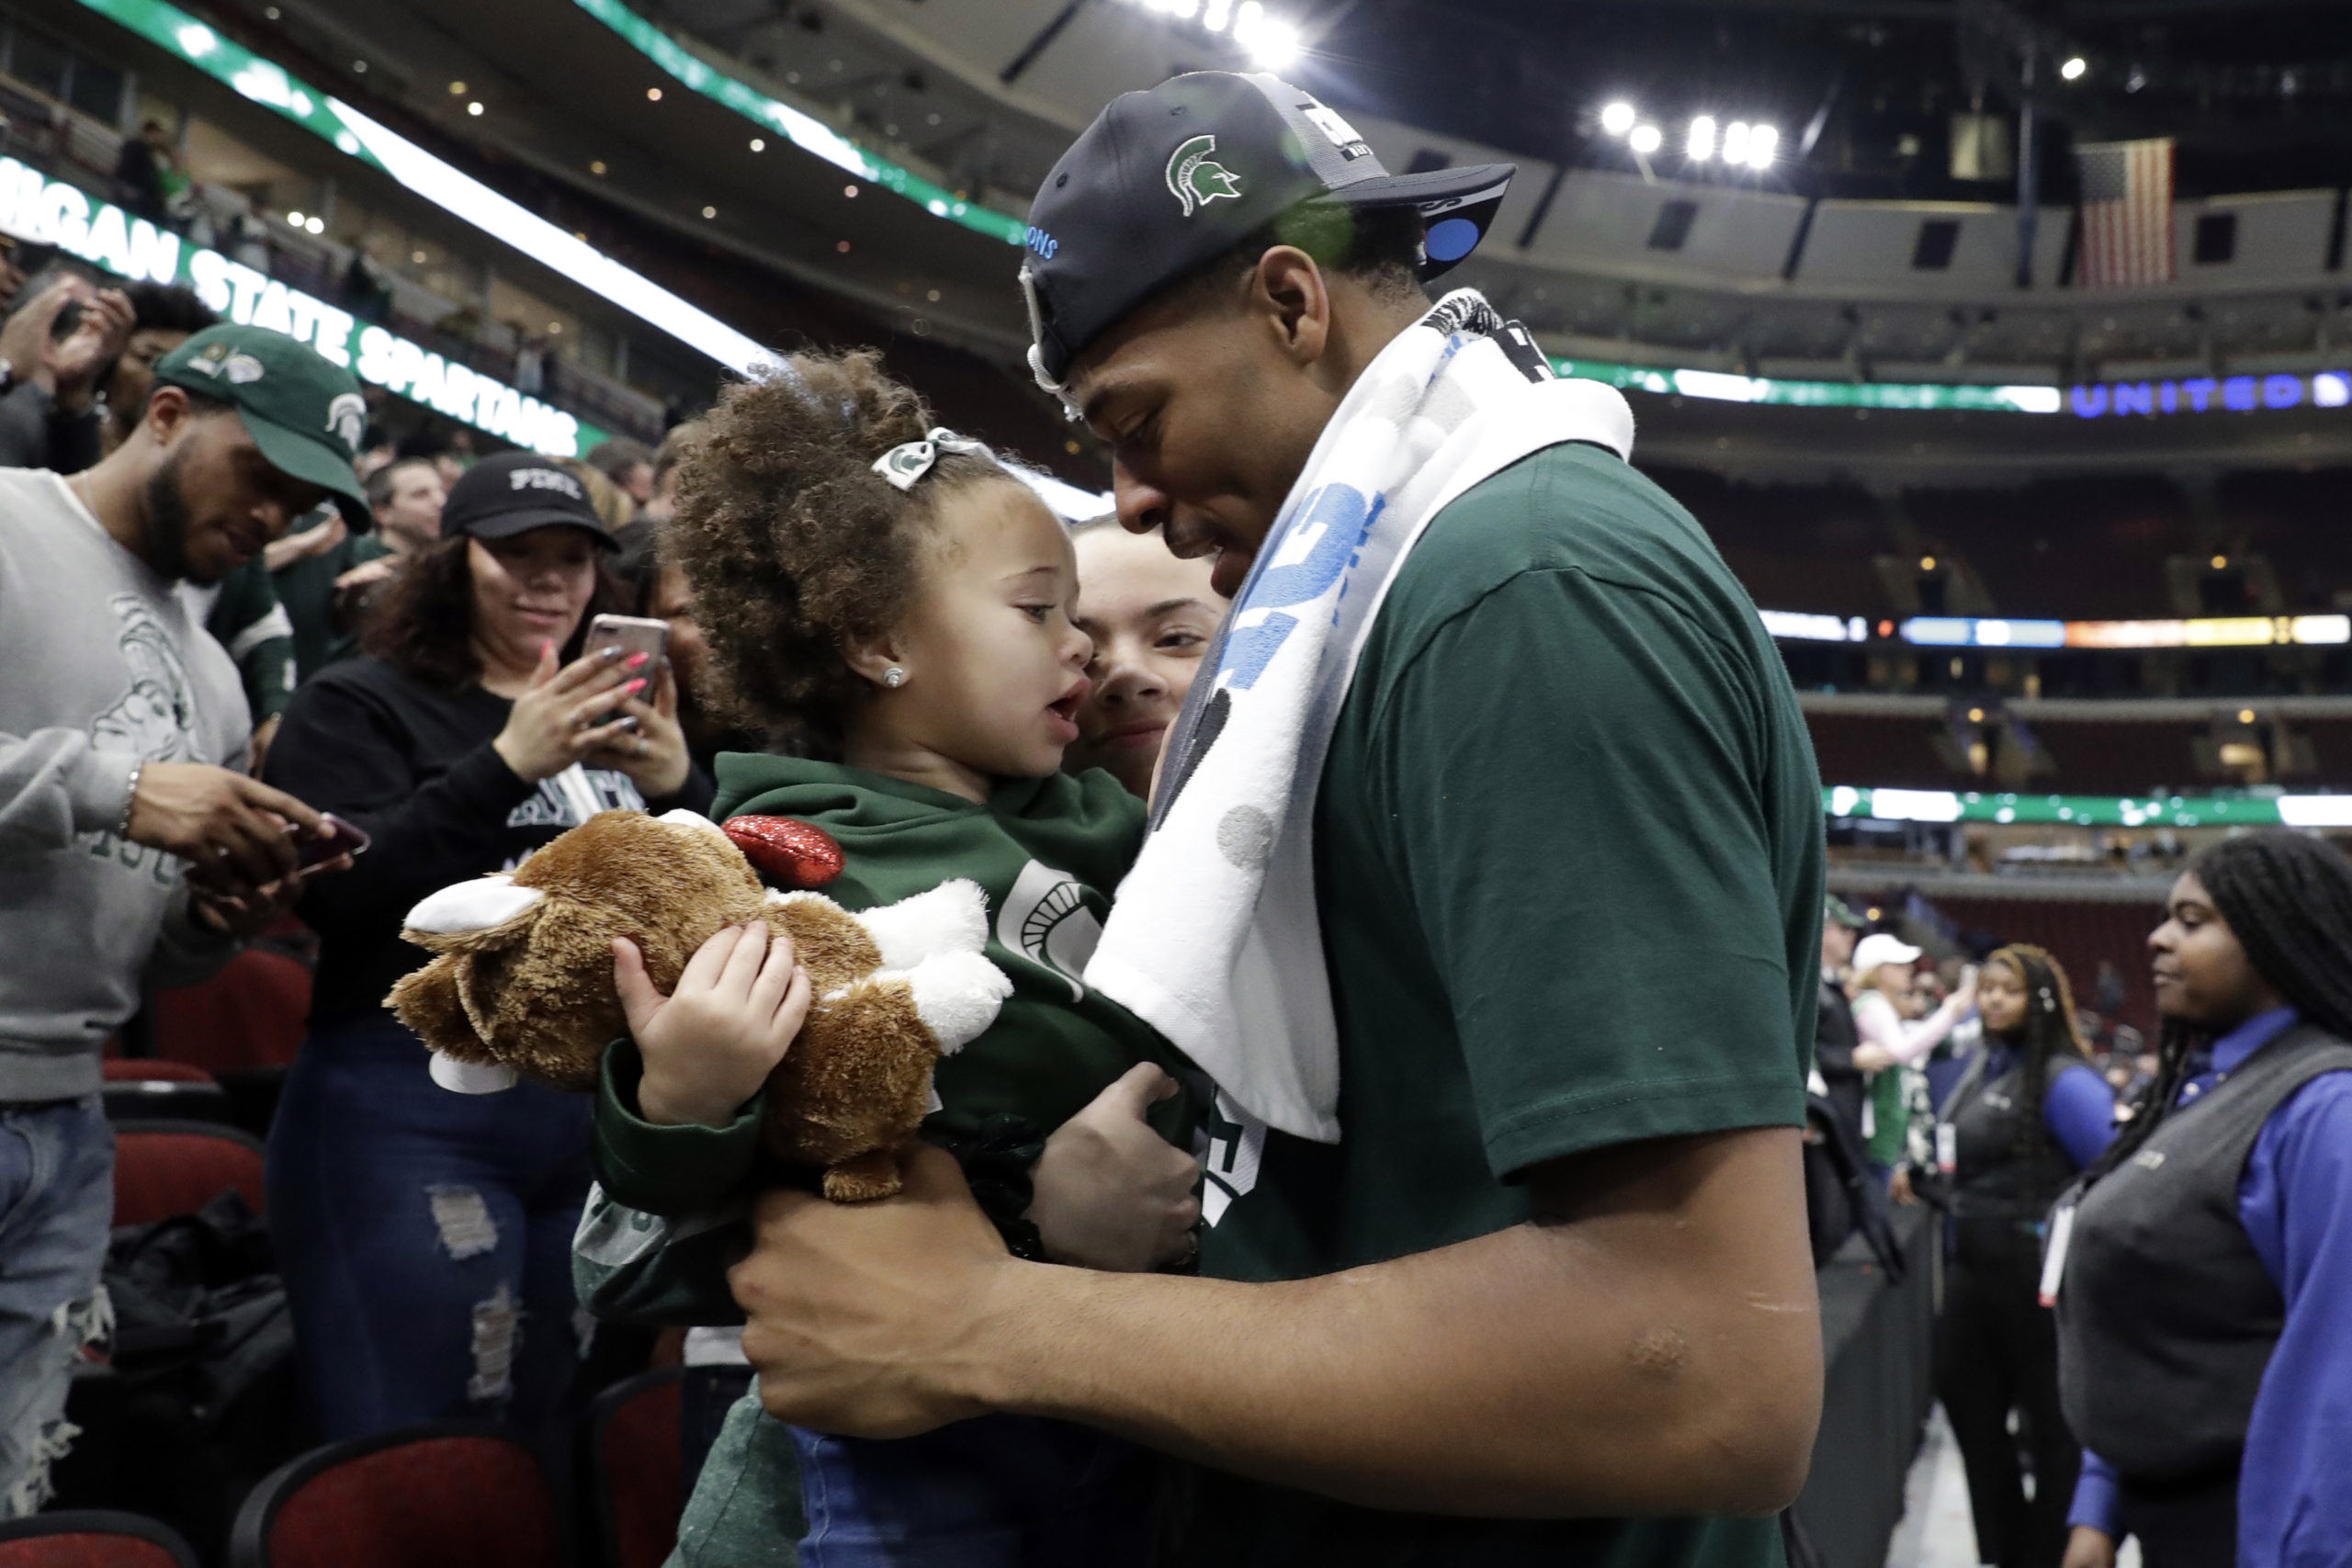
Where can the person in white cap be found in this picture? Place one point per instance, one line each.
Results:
(1892, 1047)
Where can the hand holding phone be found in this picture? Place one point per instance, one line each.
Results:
(341, 839)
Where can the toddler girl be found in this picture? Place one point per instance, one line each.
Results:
(895, 608)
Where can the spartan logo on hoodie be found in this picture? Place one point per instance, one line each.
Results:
(1046, 919)
(155, 720)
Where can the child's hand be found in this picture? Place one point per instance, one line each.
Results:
(710, 1044)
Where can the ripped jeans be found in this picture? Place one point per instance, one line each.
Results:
(56, 1205)
(425, 1236)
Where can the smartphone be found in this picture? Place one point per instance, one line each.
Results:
(341, 839)
(634, 634)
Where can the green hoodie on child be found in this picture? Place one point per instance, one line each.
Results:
(668, 1215)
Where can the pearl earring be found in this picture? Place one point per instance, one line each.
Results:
(894, 677)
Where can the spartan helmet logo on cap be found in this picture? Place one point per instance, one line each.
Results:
(1195, 179)
(348, 419)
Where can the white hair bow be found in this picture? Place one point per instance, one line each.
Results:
(904, 464)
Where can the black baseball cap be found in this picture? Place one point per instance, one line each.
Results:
(515, 492)
(1165, 180)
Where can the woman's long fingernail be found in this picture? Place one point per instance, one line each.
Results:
(611, 650)
(636, 660)
(633, 687)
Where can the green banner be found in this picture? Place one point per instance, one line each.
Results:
(1728, 388)
(54, 212)
(2090, 810)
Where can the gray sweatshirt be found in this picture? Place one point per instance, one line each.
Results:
(103, 669)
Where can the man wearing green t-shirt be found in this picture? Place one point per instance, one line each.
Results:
(327, 576)
(1548, 1297)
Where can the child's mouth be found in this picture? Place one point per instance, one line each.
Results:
(1064, 711)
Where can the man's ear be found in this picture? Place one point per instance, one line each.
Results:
(1288, 293)
(167, 408)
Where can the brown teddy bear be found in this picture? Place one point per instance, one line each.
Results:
(522, 981)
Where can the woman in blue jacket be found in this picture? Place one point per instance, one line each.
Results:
(2205, 1294)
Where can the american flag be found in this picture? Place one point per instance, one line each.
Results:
(2127, 213)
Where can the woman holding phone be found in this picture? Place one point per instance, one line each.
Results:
(424, 1235)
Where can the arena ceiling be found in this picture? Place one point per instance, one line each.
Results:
(981, 96)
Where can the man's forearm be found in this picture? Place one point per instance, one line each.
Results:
(1615, 1363)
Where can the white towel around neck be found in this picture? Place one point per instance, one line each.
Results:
(1215, 938)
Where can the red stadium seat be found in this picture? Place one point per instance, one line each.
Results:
(152, 1069)
(447, 1494)
(250, 1015)
(93, 1538)
(635, 1468)
(162, 1168)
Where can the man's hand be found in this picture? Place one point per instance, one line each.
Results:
(74, 366)
(236, 833)
(863, 1316)
(1110, 1193)
(368, 573)
(315, 540)
(249, 914)
(25, 341)
(2088, 1548)
(710, 1045)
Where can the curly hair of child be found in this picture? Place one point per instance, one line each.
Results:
(795, 545)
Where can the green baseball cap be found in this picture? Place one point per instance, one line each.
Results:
(307, 416)
(1836, 911)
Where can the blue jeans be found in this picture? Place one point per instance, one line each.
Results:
(425, 1236)
(993, 1492)
(56, 1205)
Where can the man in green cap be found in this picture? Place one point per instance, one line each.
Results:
(134, 850)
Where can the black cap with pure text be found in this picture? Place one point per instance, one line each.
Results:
(1165, 180)
(515, 492)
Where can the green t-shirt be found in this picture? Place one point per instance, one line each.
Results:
(1569, 861)
(306, 589)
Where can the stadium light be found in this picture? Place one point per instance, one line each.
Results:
(1702, 144)
(2075, 68)
(1618, 118)
(1271, 42)
(1735, 142)
(1646, 139)
(1762, 142)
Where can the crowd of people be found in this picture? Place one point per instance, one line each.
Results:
(1360, 984)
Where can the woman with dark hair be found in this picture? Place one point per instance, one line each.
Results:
(2203, 1272)
(425, 1236)
(2026, 1116)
